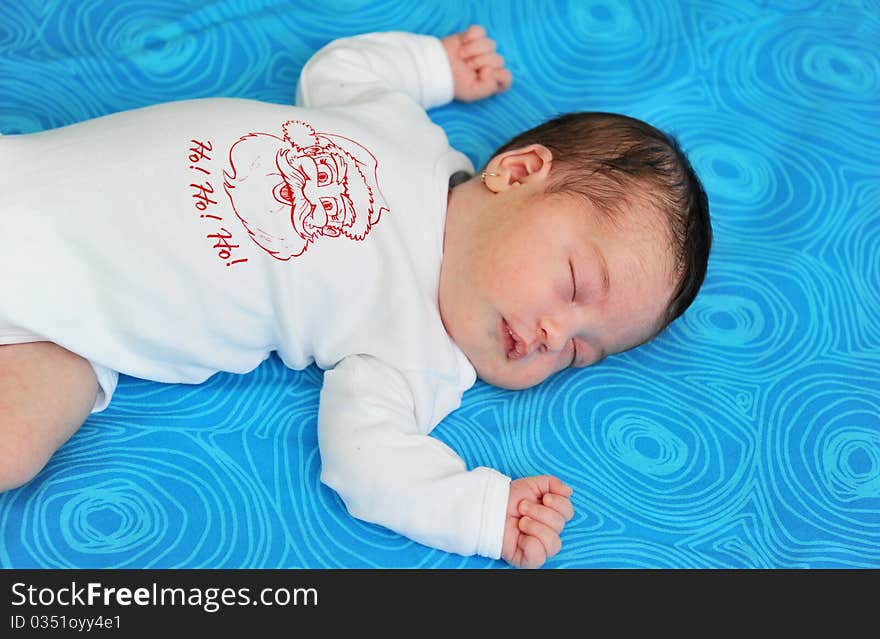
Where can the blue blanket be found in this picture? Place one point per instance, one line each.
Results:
(746, 435)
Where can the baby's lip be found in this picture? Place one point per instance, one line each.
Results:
(514, 346)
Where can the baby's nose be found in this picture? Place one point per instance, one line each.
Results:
(551, 335)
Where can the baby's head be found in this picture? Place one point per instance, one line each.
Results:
(585, 237)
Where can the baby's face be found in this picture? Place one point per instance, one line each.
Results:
(545, 286)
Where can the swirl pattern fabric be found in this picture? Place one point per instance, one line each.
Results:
(747, 435)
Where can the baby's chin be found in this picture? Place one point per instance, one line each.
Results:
(509, 379)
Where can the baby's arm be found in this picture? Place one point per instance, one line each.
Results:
(389, 473)
(425, 69)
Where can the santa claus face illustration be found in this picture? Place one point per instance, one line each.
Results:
(289, 192)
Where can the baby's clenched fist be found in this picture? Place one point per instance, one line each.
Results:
(537, 511)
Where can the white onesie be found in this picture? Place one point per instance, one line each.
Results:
(179, 240)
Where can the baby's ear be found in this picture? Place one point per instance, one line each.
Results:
(518, 166)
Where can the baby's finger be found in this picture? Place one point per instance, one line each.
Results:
(476, 48)
(473, 32)
(545, 515)
(547, 536)
(486, 61)
(533, 553)
(503, 79)
(562, 505)
(556, 486)
(485, 82)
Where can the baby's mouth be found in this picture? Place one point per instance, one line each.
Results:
(514, 346)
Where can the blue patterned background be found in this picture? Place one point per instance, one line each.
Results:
(746, 435)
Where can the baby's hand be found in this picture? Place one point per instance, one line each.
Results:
(537, 509)
(477, 70)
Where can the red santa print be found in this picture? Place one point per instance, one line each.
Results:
(288, 192)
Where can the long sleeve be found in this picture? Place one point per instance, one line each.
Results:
(389, 473)
(362, 68)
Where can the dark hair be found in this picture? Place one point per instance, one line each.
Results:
(610, 159)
